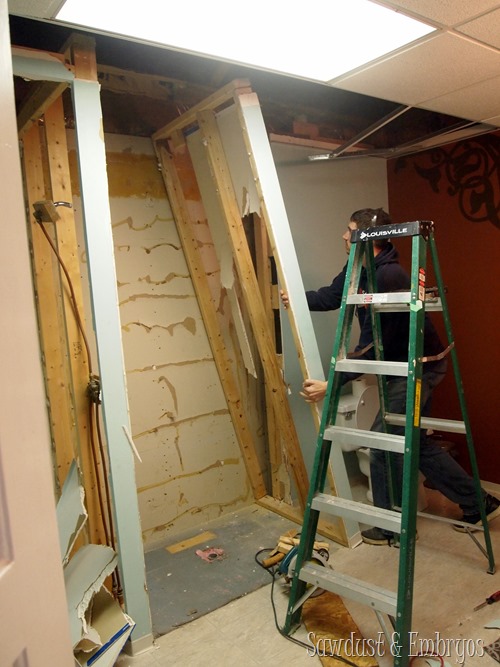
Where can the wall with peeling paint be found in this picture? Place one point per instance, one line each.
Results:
(191, 470)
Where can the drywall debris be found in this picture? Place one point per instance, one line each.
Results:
(210, 554)
(110, 628)
(84, 575)
(98, 626)
(71, 512)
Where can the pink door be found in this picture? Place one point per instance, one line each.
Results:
(34, 628)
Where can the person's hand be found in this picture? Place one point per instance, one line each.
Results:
(284, 299)
(313, 390)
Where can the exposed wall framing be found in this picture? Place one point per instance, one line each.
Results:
(47, 177)
(205, 182)
(70, 389)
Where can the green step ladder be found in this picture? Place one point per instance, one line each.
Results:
(393, 609)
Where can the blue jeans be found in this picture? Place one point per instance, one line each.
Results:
(437, 465)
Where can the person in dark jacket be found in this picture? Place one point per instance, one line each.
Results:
(436, 464)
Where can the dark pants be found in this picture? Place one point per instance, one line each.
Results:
(436, 464)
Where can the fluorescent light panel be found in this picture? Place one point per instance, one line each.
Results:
(317, 40)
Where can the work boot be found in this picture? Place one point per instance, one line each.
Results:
(377, 537)
(492, 509)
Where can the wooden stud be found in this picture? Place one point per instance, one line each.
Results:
(263, 268)
(325, 527)
(37, 103)
(219, 98)
(185, 201)
(48, 299)
(250, 289)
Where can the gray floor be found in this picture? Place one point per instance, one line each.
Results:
(200, 586)
(450, 579)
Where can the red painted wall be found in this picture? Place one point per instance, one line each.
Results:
(458, 187)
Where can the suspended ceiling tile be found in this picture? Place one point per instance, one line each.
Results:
(485, 28)
(45, 9)
(446, 12)
(493, 121)
(480, 101)
(435, 66)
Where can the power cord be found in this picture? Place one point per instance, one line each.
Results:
(273, 571)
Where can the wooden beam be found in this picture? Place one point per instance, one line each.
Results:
(36, 54)
(48, 300)
(214, 101)
(250, 290)
(45, 92)
(325, 528)
(185, 200)
(82, 53)
(152, 86)
(264, 277)
(37, 103)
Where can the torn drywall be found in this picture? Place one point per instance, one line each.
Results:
(110, 628)
(84, 575)
(71, 512)
(98, 626)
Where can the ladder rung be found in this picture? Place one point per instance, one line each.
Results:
(379, 297)
(375, 367)
(434, 305)
(447, 425)
(391, 302)
(348, 587)
(361, 512)
(356, 437)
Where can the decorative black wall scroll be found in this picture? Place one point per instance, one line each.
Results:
(469, 170)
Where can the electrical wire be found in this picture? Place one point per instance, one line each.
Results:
(94, 423)
(119, 590)
(273, 571)
(72, 293)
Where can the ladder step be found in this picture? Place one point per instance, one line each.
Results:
(434, 305)
(354, 589)
(374, 367)
(379, 297)
(361, 512)
(391, 302)
(447, 425)
(356, 437)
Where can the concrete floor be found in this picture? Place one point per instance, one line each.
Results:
(183, 586)
(450, 580)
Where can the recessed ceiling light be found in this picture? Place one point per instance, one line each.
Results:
(318, 41)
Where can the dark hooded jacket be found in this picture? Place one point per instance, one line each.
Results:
(390, 277)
